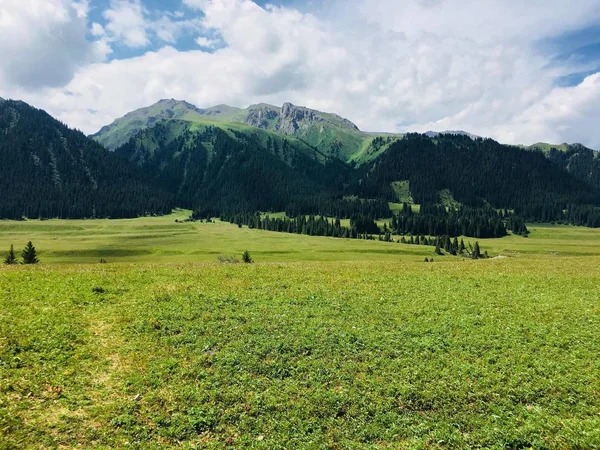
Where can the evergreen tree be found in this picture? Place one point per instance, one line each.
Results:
(29, 254)
(438, 249)
(476, 251)
(247, 258)
(11, 258)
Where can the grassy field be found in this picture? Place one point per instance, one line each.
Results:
(324, 343)
(162, 240)
(480, 354)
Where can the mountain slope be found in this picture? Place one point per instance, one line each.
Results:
(329, 133)
(49, 170)
(123, 129)
(231, 169)
(578, 160)
(475, 172)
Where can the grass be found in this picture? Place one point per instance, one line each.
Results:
(162, 240)
(486, 354)
(324, 343)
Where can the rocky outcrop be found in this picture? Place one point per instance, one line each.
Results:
(262, 116)
(291, 119)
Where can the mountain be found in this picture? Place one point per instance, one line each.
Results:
(49, 170)
(224, 160)
(123, 129)
(578, 160)
(233, 168)
(474, 172)
(330, 134)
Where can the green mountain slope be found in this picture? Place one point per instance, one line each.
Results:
(475, 172)
(49, 170)
(330, 134)
(123, 129)
(233, 168)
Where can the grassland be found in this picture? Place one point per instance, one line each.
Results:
(324, 343)
(163, 240)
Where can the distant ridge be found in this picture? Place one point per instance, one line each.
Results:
(434, 134)
(329, 133)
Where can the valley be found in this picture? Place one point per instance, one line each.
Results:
(142, 328)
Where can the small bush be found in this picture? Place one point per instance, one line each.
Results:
(247, 258)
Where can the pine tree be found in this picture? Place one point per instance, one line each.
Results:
(246, 257)
(476, 251)
(438, 250)
(29, 254)
(11, 258)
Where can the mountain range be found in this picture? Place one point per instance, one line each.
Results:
(329, 133)
(271, 159)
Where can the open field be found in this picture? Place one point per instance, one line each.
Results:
(324, 343)
(162, 240)
(498, 354)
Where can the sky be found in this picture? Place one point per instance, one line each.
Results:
(519, 72)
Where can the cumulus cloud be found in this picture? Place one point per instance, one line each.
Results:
(43, 43)
(126, 23)
(567, 114)
(132, 25)
(422, 65)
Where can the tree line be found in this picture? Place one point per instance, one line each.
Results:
(437, 220)
(361, 227)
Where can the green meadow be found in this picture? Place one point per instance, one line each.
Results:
(321, 343)
(163, 240)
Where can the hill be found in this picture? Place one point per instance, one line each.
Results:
(330, 134)
(475, 172)
(233, 168)
(578, 160)
(49, 170)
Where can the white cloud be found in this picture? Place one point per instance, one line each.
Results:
(126, 23)
(130, 24)
(205, 42)
(564, 115)
(42, 43)
(97, 30)
(418, 65)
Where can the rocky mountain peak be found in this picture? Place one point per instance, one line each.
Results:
(290, 119)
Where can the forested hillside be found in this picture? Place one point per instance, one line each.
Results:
(476, 172)
(49, 170)
(220, 168)
(579, 161)
(226, 169)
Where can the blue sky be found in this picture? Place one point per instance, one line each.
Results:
(582, 45)
(518, 72)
